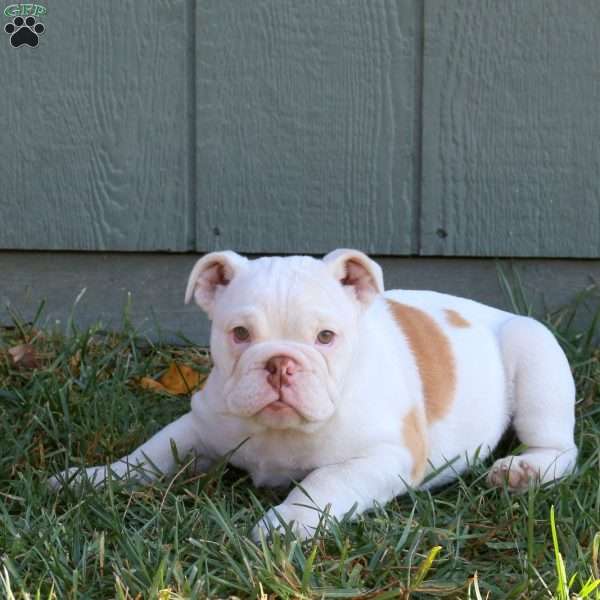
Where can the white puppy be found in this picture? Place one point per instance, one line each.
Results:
(321, 377)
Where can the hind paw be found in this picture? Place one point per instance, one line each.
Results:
(513, 471)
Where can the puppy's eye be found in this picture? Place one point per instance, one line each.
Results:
(241, 334)
(325, 337)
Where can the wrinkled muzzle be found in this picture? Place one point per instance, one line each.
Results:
(281, 384)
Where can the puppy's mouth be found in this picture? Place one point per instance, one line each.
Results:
(279, 407)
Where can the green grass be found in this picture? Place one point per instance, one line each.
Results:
(187, 537)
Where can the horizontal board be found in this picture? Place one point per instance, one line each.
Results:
(511, 159)
(306, 130)
(147, 289)
(151, 287)
(94, 139)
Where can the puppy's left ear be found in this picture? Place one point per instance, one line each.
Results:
(355, 269)
(210, 274)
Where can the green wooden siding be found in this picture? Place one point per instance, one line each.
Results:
(306, 125)
(511, 152)
(402, 127)
(94, 145)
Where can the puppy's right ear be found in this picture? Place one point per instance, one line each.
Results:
(212, 272)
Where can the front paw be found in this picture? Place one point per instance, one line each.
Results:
(65, 478)
(75, 476)
(302, 520)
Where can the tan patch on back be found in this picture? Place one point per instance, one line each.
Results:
(456, 319)
(415, 438)
(433, 355)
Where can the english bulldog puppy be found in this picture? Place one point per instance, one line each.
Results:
(322, 377)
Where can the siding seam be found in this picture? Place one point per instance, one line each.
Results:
(418, 142)
(191, 93)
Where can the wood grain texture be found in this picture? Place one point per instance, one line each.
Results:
(94, 146)
(306, 124)
(511, 159)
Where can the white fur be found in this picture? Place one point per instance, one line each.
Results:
(340, 431)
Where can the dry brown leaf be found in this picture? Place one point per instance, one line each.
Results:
(150, 384)
(24, 356)
(178, 379)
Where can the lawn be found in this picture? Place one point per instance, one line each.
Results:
(77, 399)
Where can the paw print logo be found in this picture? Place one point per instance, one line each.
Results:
(24, 31)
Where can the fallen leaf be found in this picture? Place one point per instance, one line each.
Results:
(25, 356)
(150, 384)
(178, 379)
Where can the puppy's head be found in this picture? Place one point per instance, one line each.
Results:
(284, 330)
